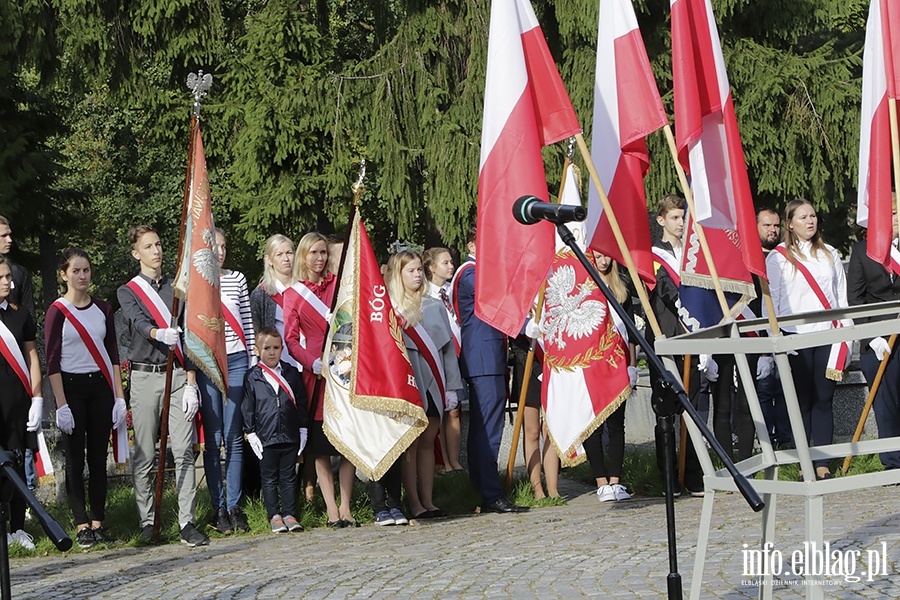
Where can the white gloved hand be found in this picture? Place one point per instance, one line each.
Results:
(317, 366)
(532, 329)
(35, 414)
(190, 401)
(329, 317)
(764, 367)
(451, 400)
(304, 434)
(881, 347)
(64, 419)
(632, 376)
(119, 412)
(709, 367)
(168, 336)
(255, 445)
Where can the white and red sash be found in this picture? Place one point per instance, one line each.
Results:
(895, 260)
(10, 350)
(668, 262)
(455, 332)
(42, 463)
(839, 357)
(310, 304)
(158, 310)
(281, 381)
(430, 353)
(233, 319)
(454, 291)
(103, 362)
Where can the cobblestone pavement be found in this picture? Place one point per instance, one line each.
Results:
(582, 549)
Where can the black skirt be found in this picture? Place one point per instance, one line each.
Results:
(317, 443)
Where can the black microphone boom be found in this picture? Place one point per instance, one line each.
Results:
(528, 210)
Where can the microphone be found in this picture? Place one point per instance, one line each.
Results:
(528, 210)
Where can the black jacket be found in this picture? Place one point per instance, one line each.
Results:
(274, 418)
(663, 301)
(867, 283)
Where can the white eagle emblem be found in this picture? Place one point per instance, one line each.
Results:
(206, 260)
(569, 313)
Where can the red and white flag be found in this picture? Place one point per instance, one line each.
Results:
(709, 143)
(525, 107)
(585, 359)
(879, 83)
(373, 410)
(627, 108)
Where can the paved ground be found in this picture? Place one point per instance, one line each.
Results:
(582, 549)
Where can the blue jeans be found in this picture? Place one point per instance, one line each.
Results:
(223, 423)
(31, 478)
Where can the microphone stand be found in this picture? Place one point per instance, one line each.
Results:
(10, 483)
(672, 397)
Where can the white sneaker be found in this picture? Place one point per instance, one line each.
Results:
(21, 538)
(605, 493)
(619, 492)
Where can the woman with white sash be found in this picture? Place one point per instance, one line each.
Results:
(267, 300)
(429, 342)
(806, 275)
(21, 404)
(222, 420)
(83, 366)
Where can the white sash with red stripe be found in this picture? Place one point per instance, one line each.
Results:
(101, 358)
(281, 381)
(454, 291)
(233, 320)
(10, 350)
(669, 263)
(839, 357)
(307, 299)
(158, 310)
(430, 353)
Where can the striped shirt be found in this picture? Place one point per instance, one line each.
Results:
(236, 295)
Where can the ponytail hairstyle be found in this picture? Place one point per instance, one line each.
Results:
(430, 258)
(407, 303)
(70, 253)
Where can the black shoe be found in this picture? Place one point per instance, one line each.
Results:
(147, 534)
(100, 535)
(222, 522)
(503, 505)
(239, 520)
(192, 537)
(85, 538)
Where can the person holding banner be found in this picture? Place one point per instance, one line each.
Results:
(429, 343)
(806, 274)
(145, 302)
(438, 264)
(267, 300)
(307, 305)
(21, 404)
(83, 367)
(222, 421)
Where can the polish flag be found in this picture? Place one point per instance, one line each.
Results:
(627, 108)
(709, 144)
(874, 203)
(525, 107)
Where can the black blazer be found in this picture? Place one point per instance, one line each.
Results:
(867, 283)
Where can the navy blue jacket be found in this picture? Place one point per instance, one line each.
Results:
(484, 349)
(274, 418)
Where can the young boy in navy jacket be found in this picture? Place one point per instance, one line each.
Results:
(275, 421)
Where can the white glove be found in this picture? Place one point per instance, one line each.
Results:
(329, 317)
(64, 419)
(304, 433)
(119, 412)
(764, 367)
(632, 376)
(190, 401)
(881, 347)
(317, 366)
(451, 400)
(532, 329)
(255, 445)
(709, 367)
(168, 336)
(35, 413)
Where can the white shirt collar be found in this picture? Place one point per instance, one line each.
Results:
(4, 305)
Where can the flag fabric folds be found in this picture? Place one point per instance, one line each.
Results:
(585, 361)
(373, 410)
(525, 107)
(709, 144)
(874, 201)
(627, 108)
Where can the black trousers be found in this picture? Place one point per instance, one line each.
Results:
(593, 446)
(91, 402)
(815, 393)
(385, 493)
(14, 405)
(731, 411)
(277, 470)
(693, 473)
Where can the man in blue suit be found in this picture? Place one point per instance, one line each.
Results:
(483, 360)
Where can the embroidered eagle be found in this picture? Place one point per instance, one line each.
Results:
(569, 313)
(206, 260)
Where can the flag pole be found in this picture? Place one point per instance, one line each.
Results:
(620, 239)
(199, 86)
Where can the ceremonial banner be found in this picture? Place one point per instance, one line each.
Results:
(525, 107)
(709, 144)
(585, 359)
(627, 108)
(373, 410)
(874, 203)
(197, 280)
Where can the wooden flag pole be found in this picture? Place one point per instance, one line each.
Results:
(620, 239)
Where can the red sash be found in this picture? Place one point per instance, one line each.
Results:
(281, 381)
(10, 350)
(668, 262)
(154, 304)
(430, 353)
(454, 292)
(234, 322)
